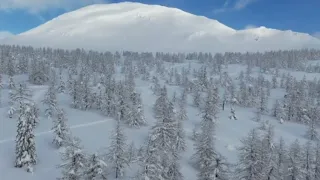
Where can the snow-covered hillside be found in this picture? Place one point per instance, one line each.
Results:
(141, 27)
(232, 94)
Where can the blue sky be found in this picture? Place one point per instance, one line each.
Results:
(17, 16)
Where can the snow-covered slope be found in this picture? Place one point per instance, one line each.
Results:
(141, 27)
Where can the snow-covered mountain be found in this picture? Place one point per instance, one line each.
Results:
(141, 27)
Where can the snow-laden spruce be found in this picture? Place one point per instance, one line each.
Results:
(60, 129)
(18, 96)
(206, 159)
(50, 100)
(25, 139)
(250, 166)
(95, 168)
(73, 161)
(116, 153)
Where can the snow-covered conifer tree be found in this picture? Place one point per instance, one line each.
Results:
(73, 161)
(317, 162)
(136, 117)
(50, 101)
(151, 162)
(206, 155)
(268, 154)
(163, 133)
(25, 139)
(312, 133)
(11, 83)
(116, 155)
(94, 170)
(180, 137)
(274, 82)
(174, 169)
(233, 114)
(221, 168)
(249, 166)
(196, 98)
(307, 161)
(281, 159)
(294, 163)
(60, 129)
(20, 94)
(262, 103)
(132, 155)
(174, 97)
(61, 86)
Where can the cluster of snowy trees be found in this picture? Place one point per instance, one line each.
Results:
(260, 157)
(89, 78)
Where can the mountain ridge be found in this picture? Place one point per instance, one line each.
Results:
(141, 27)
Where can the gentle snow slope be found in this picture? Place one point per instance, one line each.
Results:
(141, 27)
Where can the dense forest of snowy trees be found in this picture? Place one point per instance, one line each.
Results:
(88, 78)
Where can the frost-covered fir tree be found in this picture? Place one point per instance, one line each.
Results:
(74, 93)
(60, 129)
(50, 100)
(159, 107)
(151, 167)
(278, 111)
(11, 83)
(274, 82)
(109, 100)
(196, 98)
(174, 170)
(180, 134)
(20, 94)
(257, 116)
(73, 161)
(206, 155)
(317, 162)
(268, 155)
(136, 117)
(174, 97)
(163, 133)
(307, 161)
(116, 154)
(156, 88)
(281, 159)
(250, 166)
(85, 94)
(25, 139)
(262, 102)
(62, 85)
(94, 169)
(312, 133)
(233, 114)
(132, 155)
(294, 163)
(123, 103)
(221, 168)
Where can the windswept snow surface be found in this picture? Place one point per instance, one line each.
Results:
(94, 129)
(141, 27)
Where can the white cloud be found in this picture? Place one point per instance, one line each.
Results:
(237, 5)
(38, 6)
(250, 26)
(5, 34)
(316, 34)
(240, 4)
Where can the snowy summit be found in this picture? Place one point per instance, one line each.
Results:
(141, 27)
